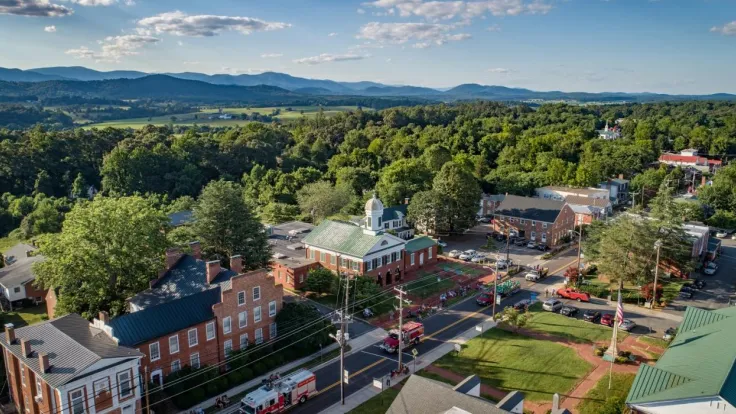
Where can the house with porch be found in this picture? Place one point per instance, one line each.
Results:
(367, 249)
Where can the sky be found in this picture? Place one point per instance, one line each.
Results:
(667, 46)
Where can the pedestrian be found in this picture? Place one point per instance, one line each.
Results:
(546, 293)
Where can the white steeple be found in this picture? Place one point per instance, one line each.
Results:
(373, 216)
(606, 128)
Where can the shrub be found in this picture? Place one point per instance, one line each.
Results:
(259, 368)
(211, 388)
(621, 360)
(599, 352)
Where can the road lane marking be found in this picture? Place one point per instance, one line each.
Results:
(383, 356)
(452, 324)
(362, 370)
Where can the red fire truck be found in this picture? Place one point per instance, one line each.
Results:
(278, 394)
(411, 334)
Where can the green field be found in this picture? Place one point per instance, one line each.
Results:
(510, 361)
(595, 400)
(202, 117)
(378, 404)
(573, 329)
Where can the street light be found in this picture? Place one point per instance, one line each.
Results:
(658, 246)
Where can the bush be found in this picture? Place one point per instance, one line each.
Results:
(621, 360)
(599, 352)
(259, 368)
(212, 388)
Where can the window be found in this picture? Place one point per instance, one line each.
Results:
(412, 259)
(173, 344)
(226, 325)
(39, 388)
(394, 256)
(28, 405)
(256, 293)
(534, 235)
(241, 295)
(175, 365)
(77, 401)
(272, 308)
(534, 223)
(257, 314)
(301, 278)
(385, 225)
(16, 289)
(429, 252)
(355, 266)
(345, 263)
(272, 331)
(210, 330)
(228, 348)
(522, 221)
(125, 384)
(23, 375)
(332, 259)
(194, 360)
(101, 387)
(376, 263)
(368, 266)
(511, 219)
(243, 319)
(544, 225)
(154, 353)
(385, 260)
(311, 254)
(192, 335)
(259, 335)
(322, 257)
(243, 341)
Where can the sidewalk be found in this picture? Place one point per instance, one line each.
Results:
(364, 394)
(357, 344)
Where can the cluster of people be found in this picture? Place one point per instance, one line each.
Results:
(222, 402)
(550, 292)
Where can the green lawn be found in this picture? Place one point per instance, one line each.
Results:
(595, 399)
(7, 242)
(574, 329)
(429, 287)
(378, 404)
(654, 341)
(510, 361)
(25, 316)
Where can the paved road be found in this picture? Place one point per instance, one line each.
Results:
(719, 287)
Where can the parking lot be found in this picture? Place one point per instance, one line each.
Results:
(720, 286)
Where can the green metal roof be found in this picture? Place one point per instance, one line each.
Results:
(391, 213)
(342, 237)
(419, 243)
(700, 362)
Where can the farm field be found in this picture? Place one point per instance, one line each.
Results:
(202, 117)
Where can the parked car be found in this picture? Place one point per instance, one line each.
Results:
(522, 304)
(692, 286)
(552, 305)
(627, 325)
(531, 245)
(441, 243)
(569, 311)
(569, 293)
(503, 263)
(710, 268)
(468, 255)
(479, 258)
(669, 334)
(686, 294)
(536, 275)
(484, 299)
(520, 242)
(607, 319)
(721, 234)
(591, 315)
(733, 236)
(454, 254)
(484, 220)
(542, 247)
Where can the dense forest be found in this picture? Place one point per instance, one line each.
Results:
(324, 166)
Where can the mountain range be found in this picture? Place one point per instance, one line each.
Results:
(274, 86)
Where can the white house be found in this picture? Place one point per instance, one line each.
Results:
(16, 278)
(560, 193)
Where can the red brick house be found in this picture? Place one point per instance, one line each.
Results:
(542, 220)
(197, 313)
(68, 366)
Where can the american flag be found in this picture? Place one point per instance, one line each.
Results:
(620, 309)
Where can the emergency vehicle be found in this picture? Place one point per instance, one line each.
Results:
(279, 394)
(411, 334)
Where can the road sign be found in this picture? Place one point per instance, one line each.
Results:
(414, 352)
(345, 376)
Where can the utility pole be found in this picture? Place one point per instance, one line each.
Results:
(658, 246)
(508, 243)
(341, 337)
(145, 382)
(401, 323)
(580, 245)
(495, 290)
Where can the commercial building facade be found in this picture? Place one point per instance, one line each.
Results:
(541, 220)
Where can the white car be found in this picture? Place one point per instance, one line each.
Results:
(710, 268)
(502, 263)
(627, 325)
(479, 258)
(454, 254)
(552, 305)
(467, 255)
(721, 234)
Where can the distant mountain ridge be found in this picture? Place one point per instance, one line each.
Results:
(326, 87)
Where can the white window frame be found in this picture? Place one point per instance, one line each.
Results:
(270, 313)
(301, 278)
(192, 358)
(227, 348)
(272, 330)
(101, 385)
(429, 252)
(522, 221)
(311, 254)
(322, 257)
(356, 266)
(259, 336)
(150, 351)
(244, 341)
(79, 398)
(256, 289)
(175, 365)
(227, 325)
(534, 223)
(23, 375)
(368, 265)
(257, 314)
(196, 337)
(412, 259)
(544, 225)
(176, 339)
(241, 294)
(39, 387)
(127, 379)
(333, 259)
(243, 319)
(210, 328)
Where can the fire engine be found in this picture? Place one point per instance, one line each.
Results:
(411, 333)
(279, 394)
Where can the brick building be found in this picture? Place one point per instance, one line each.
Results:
(197, 313)
(17, 280)
(542, 220)
(367, 249)
(589, 209)
(290, 264)
(489, 203)
(68, 366)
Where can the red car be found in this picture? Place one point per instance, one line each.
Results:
(484, 300)
(607, 319)
(569, 293)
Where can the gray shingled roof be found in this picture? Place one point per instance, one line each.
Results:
(425, 396)
(72, 345)
(539, 209)
(18, 268)
(186, 278)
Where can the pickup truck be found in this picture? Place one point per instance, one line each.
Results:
(536, 274)
(569, 293)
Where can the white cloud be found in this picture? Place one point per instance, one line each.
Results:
(50, 29)
(494, 28)
(445, 10)
(34, 8)
(333, 34)
(326, 57)
(425, 34)
(181, 24)
(271, 55)
(366, 45)
(729, 29)
(433, 10)
(249, 71)
(502, 71)
(114, 48)
(93, 3)
(360, 11)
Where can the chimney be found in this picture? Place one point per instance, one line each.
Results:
(236, 264)
(213, 269)
(104, 317)
(620, 176)
(406, 201)
(25, 347)
(43, 362)
(196, 249)
(172, 256)
(10, 333)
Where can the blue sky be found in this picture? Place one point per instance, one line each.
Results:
(669, 46)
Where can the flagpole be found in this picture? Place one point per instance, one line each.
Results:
(614, 348)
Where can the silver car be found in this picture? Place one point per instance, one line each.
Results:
(454, 254)
(552, 305)
(468, 255)
(627, 325)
